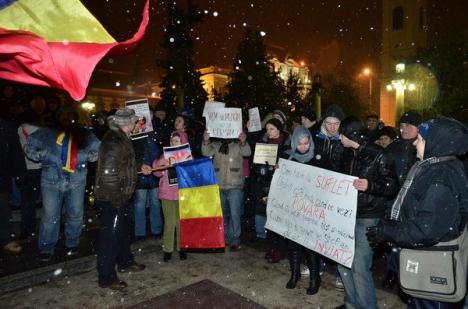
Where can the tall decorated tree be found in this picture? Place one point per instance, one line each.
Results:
(181, 83)
(292, 93)
(253, 82)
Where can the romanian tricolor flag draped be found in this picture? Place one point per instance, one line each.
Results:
(201, 218)
(69, 155)
(56, 43)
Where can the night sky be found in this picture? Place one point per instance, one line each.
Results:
(331, 36)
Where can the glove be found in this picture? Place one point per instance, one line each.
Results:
(375, 234)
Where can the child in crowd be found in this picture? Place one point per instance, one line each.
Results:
(169, 195)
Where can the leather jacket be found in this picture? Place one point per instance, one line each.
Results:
(116, 173)
(370, 162)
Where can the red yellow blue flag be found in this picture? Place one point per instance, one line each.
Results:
(56, 43)
(201, 217)
(69, 155)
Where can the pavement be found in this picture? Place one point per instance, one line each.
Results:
(73, 283)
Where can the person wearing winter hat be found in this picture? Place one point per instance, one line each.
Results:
(116, 178)
(376, 183)
(264, 174)
(409, 123)
(385, 136)
(417, 217)
(309, 120)
(372, 130)
(280, 115)
(328, 148)
(403, 153)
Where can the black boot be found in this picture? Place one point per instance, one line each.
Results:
(313, 262)
(295, 265)
(390, 279)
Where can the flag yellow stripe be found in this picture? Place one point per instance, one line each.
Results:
(200, 202)
(55, 21)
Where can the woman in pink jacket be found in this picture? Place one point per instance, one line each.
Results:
(169, 195)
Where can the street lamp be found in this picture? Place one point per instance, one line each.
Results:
(368, 73)
(400, 84)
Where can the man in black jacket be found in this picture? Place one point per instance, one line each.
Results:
(376, 184)
(433, 205)
(403, 154)
(116, 178)
(402, 150)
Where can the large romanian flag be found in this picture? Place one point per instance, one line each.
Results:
(56, 43)
(201, 217)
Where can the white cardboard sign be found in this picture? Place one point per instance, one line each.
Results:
(315, 208)
(224, 122)
(211, 105)
(255, 123)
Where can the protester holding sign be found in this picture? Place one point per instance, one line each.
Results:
(227, 159)
(302, 151)
(376, 184)
(264, 173)
(169, 195)
(328, 149)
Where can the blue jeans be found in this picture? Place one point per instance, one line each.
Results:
(231, 202)
(53, 195)
(357, 281)
(147, 198)
(260, 230)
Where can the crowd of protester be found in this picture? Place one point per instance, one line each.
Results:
(46, 150)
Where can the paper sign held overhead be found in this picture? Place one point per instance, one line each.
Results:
(255, 123)
(211, 105)
(143, 125)
(224, 123)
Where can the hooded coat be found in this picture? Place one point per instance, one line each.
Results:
(436, 205)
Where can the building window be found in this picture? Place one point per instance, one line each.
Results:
(421, 18)
(398, 18)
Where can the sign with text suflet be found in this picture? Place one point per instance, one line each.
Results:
(315, 208)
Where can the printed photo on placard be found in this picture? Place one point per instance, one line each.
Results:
(177, 154)
(143, 125)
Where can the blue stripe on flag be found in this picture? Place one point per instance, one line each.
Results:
(5, 3)
(196, 173)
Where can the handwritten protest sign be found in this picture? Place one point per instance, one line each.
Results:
(315, 208)
(212, 105)
(265, 153)
(143, 125)
(255, 123)
(224, 122)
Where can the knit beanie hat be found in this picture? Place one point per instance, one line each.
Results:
(334, 111)
(424, 128)
(281, 114)
(123, 116)
(387, 131)
(352, 127)
(411, 117)
(309, 114)
(275, 122)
